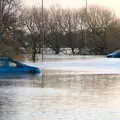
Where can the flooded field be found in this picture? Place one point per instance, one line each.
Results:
(61, 95)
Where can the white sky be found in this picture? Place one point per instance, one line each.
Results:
(112, 4)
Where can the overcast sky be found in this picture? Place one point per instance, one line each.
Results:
(111, 4)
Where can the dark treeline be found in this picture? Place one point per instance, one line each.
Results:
(95, 31)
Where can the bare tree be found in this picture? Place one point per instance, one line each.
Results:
(97, 21)
(113, 36)
(32, 30)
(67, 26)
(55, 32)
(41, 22)
(9, 14)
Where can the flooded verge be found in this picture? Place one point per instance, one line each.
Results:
(61, 95)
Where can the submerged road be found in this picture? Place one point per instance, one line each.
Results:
(64, 94)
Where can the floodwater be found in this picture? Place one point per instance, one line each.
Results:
(61, 95)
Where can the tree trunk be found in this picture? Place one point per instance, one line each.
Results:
(73, 52)
(34, 51)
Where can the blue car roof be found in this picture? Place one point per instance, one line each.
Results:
(5, 58)
(116, 51)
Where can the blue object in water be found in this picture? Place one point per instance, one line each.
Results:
(115, 54)
(10, 66)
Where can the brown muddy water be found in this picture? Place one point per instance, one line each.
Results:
(61, 95)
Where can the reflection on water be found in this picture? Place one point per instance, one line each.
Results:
(16, 76)
(60, 96)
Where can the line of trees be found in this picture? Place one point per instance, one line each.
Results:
(10, 11)
(96, 31)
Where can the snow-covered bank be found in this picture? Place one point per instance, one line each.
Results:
(87, 66)
(81, 64)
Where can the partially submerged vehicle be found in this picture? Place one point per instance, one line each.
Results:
(10, 66)
(115, 54)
